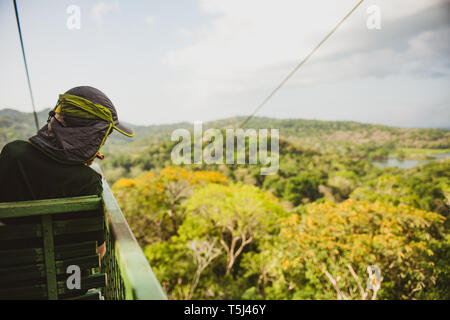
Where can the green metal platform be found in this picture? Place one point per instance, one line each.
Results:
(49, 235)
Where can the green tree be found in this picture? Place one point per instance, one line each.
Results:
(302, 188)
(155, 200)
(222, 223)
(237, 214)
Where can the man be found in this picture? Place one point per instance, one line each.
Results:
(55, 162)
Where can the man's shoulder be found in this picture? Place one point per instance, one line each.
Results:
(52, 179)
(23, 149)
(97, 177)
(16, 147)
(16, 144)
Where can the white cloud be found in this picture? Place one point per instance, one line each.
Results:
(102, 8)
(185, 33)
(150, 20)
(253, 44)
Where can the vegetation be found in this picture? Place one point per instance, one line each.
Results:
(311, 231)
(327, 238)
(215, 239)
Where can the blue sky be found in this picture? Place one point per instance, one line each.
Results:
(171, 61)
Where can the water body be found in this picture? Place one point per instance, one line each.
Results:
(407, 164)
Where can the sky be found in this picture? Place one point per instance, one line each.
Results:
(201, 60)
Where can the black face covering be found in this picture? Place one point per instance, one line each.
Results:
(77, 142)
(89, 117)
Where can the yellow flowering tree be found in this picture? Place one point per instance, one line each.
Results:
(321, 243)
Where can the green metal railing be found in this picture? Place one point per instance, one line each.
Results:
(129, 273)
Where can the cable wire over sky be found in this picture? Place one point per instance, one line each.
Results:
(26, 66)
(299, 65)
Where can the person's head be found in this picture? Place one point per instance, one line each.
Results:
(100, 99)
(79, 125)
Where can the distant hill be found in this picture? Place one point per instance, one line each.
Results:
(335, 144)
(312, 133)
(18, 125)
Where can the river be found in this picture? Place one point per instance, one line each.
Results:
(407, 164)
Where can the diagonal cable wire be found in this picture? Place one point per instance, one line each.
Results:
(26, 67)
(299, 65)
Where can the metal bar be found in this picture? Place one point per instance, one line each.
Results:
(299, 65)
(26, 66)
(129, 276)
(48, 206)
(49, 255)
